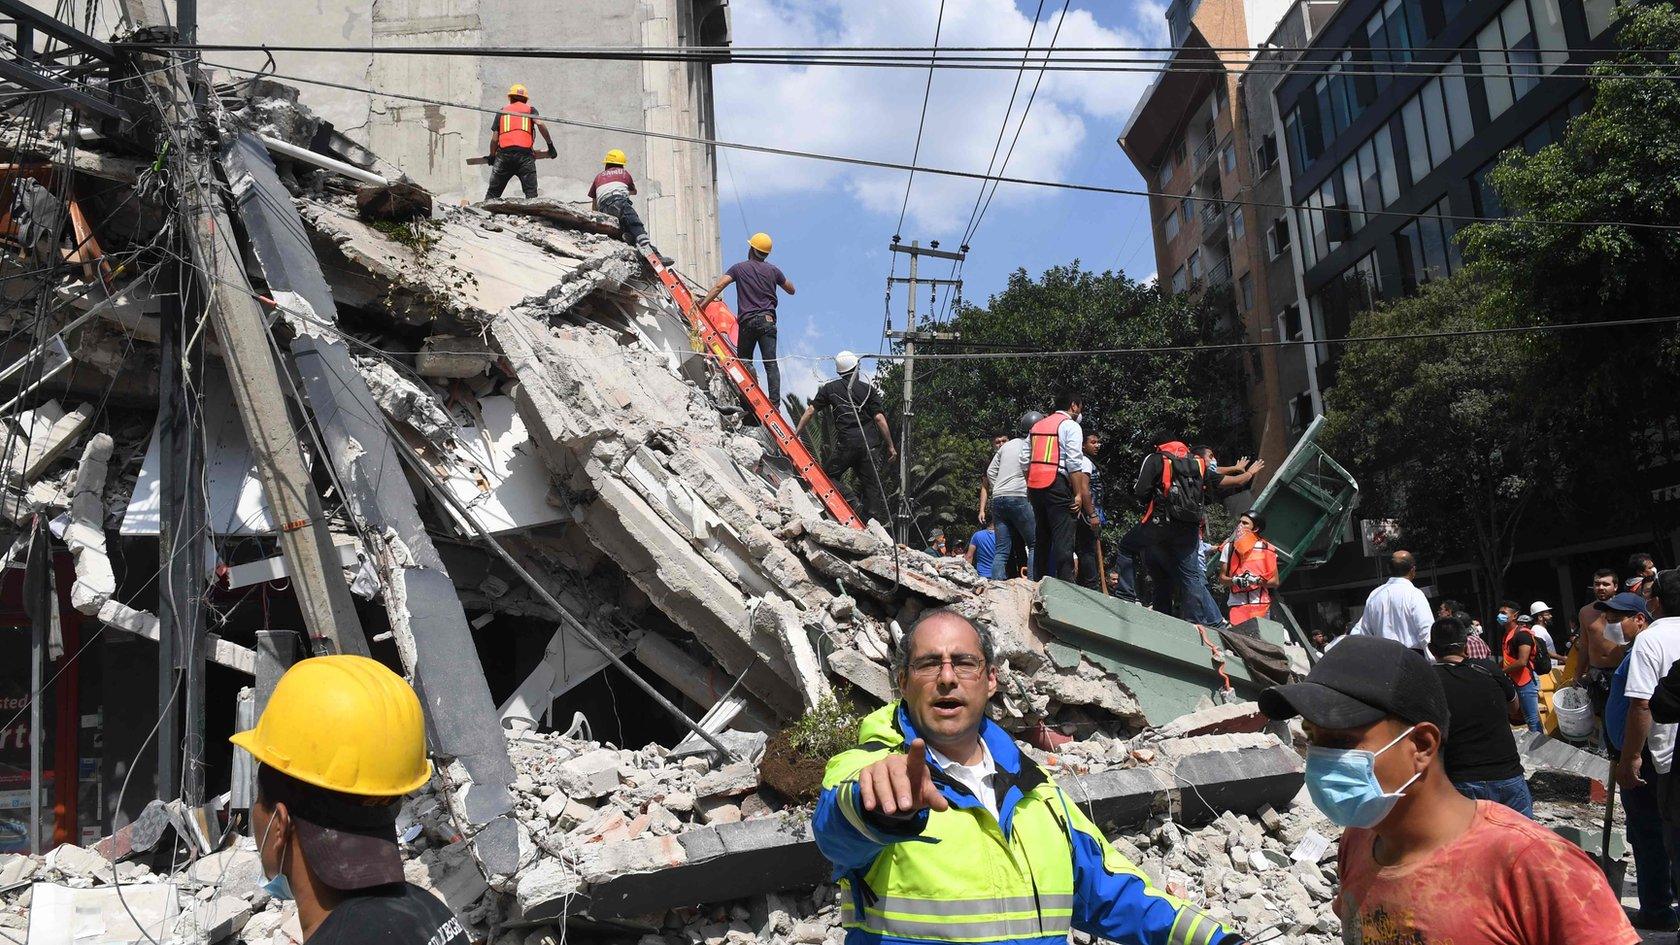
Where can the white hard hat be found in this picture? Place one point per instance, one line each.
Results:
(1538, 607)
(846, 362)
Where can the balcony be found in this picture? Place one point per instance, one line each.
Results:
(1219, 275)
(1212, 216)
(1206, 147)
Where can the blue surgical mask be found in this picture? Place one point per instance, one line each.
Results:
(1504, 619)
(1343, 784)
(277, 886)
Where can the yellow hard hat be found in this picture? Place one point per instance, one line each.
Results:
(344, 723)
(760, 242)
(615, 156)
(517, 90)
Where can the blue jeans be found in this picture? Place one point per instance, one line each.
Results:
(1015, 529)
(1174, 549)
(1512, 792)
(1655, 845)
(1529, 697)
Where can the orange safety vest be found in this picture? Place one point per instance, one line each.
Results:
(514, 126)
(1045, 451)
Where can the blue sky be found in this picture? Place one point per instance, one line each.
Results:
(832, 223)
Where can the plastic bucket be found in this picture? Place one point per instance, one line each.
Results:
(1573, 711)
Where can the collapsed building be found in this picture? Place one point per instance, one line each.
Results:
(518, 479)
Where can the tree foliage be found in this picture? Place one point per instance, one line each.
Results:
(1132, 399)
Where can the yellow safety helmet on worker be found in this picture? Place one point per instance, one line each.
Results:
(518, 91)
(346, 724)
(760, 242)
(614, 158)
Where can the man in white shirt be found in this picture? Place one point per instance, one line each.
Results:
(1654, 651)
(1003, 502)
(1057, 485)
(1397, 610)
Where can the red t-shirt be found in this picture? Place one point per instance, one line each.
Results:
(1506, 881)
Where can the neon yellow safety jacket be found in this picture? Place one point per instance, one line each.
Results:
(1037, 870)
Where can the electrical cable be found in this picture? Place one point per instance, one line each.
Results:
(916, 153)
(948, 172)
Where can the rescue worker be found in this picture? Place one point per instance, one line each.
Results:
(860, 429)
(1058, 486)
(511, 141)
(941, 829)
(756, 281)
(341, 741)
(611, 191)
(1248, 565)
(1174, 485)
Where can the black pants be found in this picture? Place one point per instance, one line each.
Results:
(857, 458)
(511, 162)
(1085, 544)
(758, 330)
(1054, 522)
(628, 220)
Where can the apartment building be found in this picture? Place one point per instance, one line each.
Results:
(1193, 139)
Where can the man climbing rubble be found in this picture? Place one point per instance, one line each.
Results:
(511, 141)
(924, 818)
(1058, 486)
(756, 281)
(860, 431)
(341, 741)
(611, 191)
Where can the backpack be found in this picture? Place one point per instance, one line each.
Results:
(1182, 499)
(1540, 659)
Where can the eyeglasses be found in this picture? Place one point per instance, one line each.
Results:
(963, 665)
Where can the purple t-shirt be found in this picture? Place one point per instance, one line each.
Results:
(755, 286)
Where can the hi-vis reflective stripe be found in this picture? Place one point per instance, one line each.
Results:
(1050, 444)
(1192, 928)
(515, 123)
(965, 919)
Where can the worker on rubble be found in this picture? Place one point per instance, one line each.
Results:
(942, 829)
(341, 741)
(854, 410)
(611, 191)
(756, 280)
(511, 141)
(1058, 486)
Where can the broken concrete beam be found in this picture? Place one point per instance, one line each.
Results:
(907, 577)
(85, 536)
(47, 432)
(571, 215)
(395, 202)
(592, 774)
(778, 618)
(734, 860)
(1217, 720)
(142, 624)
(832, 565)
(839, 537)
(695, 680)
(863, 673)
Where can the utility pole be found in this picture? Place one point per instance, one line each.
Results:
(911, 334)
(329, 615)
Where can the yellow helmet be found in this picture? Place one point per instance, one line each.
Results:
(517, 90)
(760, 242)
(344, 723)
(615, 156)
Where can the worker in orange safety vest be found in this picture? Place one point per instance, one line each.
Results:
(1057, 485)
(511, 141)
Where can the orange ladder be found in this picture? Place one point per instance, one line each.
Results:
(717, 343)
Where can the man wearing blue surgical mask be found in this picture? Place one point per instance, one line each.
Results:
(1418, 861)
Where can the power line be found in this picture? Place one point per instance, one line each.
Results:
(927, 89)
(940, 171)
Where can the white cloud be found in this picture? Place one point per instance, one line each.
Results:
(873, 113)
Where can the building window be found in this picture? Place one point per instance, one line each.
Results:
(1239, 226)
(1277, 237)
(1509, 48)
(1179, 281)
(1220, 99)
(1385, 165)
(1245, 288)
(1291, 319)
(1228, 158)
(1300, 412)
(1265, 155)
(1194, 264)
(1427, 251)
(1169, 226)
(1164, 176)
(1600, 14)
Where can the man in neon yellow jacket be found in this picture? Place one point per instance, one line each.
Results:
(941, 830)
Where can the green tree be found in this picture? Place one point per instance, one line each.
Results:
(1134, 399)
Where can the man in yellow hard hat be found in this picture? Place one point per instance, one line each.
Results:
(756, 281)
(511, 141)
(611, 191)
(341, 741)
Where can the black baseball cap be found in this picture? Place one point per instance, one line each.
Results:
(1362, 680)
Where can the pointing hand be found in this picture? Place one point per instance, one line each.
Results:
(901, 784)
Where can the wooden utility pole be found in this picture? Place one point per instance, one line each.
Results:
(911, 334)
(248, 353)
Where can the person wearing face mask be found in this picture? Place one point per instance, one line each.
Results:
(1248, 566)
(340, 742)
(1418, 861)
